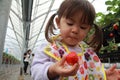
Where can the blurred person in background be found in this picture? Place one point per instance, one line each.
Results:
(26, 60)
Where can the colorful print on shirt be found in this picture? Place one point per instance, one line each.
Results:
(90, 66)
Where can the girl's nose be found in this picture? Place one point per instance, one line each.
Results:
(75, 29)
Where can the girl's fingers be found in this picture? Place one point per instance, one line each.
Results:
(62, 61)
(113, 67)
(118, 78)
(119, 71)
(76, 66)
(68, 71)
(73, 69)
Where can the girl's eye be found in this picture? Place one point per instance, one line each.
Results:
(83, 27)
(70, 24)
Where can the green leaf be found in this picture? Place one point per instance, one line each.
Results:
(109, 8)
(108, 2)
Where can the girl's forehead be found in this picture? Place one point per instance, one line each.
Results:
(76, 15)
(79, 17)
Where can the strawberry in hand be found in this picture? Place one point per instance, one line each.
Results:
(72, 58)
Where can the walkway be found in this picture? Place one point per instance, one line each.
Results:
(12, 72)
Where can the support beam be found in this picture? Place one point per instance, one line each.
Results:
(4, 14)
(27, 12)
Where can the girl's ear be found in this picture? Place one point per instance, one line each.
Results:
(57, 22)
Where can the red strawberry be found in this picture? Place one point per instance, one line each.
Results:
(72, 58)
(115, 26)
(111, 34)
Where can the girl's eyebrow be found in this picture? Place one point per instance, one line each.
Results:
(71, 19)
(85, 25)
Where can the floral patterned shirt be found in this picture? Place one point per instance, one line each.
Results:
(47, 54)
(90, 68)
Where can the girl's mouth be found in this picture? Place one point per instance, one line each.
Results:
(73, 38)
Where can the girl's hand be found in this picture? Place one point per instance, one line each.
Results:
(112, 73)
(59, 69)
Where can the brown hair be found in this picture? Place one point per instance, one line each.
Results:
(67, 9)
(29, 50)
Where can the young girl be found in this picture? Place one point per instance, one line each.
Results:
(74, 19)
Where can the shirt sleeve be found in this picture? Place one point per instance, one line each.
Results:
(40, 64)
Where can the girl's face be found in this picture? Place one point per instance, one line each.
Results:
(72, 31)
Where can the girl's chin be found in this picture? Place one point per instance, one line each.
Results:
(72, 44)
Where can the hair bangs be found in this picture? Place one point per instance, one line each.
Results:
(86, 18)
(86, 12)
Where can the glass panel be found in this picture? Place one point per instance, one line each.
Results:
(14, 40)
